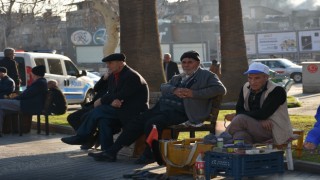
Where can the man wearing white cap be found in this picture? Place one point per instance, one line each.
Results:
(261, 110)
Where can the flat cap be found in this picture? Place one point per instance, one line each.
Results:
(114, 57)
(191, 54)
(39, 70)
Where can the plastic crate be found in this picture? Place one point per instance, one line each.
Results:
(240, 165)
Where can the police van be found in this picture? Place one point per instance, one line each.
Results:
(76, 86)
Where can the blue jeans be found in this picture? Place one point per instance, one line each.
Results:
(106, 119)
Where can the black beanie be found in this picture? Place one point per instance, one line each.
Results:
(39, 70)
(114, 57)
(191, 54)
(3, 69)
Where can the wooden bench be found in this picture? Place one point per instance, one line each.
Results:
(172, 132)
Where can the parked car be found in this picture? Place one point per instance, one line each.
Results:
(283, 67)
(283, 81)
(75, 85)
(93, 76)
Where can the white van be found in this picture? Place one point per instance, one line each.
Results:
(76, 86)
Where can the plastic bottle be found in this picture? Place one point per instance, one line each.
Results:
(220, 143)
(199, 167)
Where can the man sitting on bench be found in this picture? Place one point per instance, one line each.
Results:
(31, 101)
(185, 98)
(261, 110)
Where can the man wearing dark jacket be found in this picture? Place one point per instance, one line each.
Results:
(6, 83)
(12, 66)
(170, 68)
(58, 102)
(126, 98)
(76, 118)
(31, 101)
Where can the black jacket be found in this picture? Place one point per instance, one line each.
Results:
(6, 86)
(12, 68)
(32, 99)
(132, 89)
(172, 69)
(58, 103)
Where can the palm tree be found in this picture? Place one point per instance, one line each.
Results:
(233, 48)
(139, 39)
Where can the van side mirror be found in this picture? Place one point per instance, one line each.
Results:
(83, 73)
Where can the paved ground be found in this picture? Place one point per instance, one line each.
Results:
(310, 102)
(40, 157)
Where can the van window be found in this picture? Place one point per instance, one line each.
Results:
(55, 66)
(39, 61)
(71, 68)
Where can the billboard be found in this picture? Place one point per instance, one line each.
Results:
(284, 42)
(309, 40)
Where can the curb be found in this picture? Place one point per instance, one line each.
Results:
(306, 166)
(54, 128)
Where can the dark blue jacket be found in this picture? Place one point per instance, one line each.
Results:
(32, 99)
(6, 86)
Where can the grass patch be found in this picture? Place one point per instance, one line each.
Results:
(293, 102)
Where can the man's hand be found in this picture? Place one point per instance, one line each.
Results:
(116, 103)
(229, 117)
(183, 92)
(267, 124)
(97, 103)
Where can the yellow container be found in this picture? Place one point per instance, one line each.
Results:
(180, 156)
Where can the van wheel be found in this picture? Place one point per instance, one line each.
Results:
(88, 98)
(297, 77)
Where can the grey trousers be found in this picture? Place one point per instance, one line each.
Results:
(249, 129)
(8, 104)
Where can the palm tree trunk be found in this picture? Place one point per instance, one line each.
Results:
(139, 39)
(233, 48)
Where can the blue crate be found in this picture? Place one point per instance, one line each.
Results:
(240, 165)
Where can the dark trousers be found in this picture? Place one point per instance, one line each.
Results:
(76, 118)
(144, 123)
(104, 117)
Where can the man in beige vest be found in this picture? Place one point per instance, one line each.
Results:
(261, 110)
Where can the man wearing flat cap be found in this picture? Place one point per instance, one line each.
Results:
(186, 98)
(127, 96)
(6, 83)
(31, 100)
(261, 111)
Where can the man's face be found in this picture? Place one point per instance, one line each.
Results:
(166, 58)
(114, 66)
(11, 55)
(189, 65)
(257, 81)
(2, 74)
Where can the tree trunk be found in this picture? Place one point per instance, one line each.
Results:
(111, 20)
(139, 39)
(233, 48)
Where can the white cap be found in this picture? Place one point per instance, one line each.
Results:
(256, 68)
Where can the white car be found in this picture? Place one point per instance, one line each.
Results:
(283, 67)
(93, 76)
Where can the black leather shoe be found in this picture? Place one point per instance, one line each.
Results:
(95, 153)
(144, 160)
(104, 156)
(73, 140)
